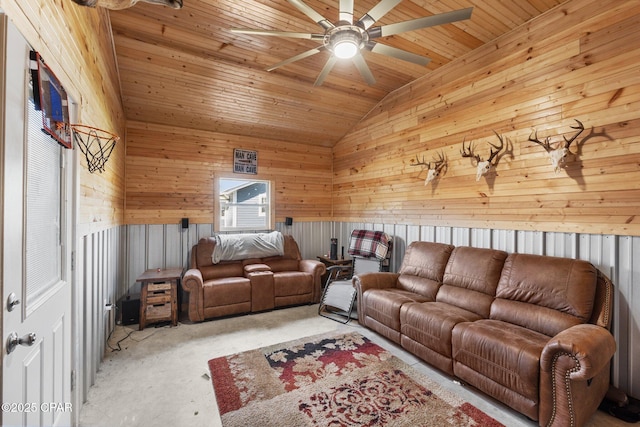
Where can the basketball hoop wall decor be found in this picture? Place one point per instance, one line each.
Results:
(96, 145)
(51, 98)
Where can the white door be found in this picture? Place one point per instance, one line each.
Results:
(36, 255)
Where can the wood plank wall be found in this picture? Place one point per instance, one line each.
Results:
(77, 44)
(171, 170)
(579, 61)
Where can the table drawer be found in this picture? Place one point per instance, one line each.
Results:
(158, 312)
(153, 287)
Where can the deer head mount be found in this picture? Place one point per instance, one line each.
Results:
(125, 4)
(558, 155)
(483, 166)
(433, 170)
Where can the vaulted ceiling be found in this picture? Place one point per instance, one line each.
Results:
(186, 68)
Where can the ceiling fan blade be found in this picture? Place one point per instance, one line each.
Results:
(295, 58)
(364, 70)
(425, 22)
(254, 32)
(315, 16)
(346, 11)
(325, 70)
(377, 12)
(383, 49)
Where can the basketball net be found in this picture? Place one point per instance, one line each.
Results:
(96, 145)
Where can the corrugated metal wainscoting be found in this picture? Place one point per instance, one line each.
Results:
(99, 272)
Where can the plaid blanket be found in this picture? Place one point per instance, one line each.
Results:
(367, 243)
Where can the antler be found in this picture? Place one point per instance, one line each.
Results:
(419, 163)
(468, 152)
(493, 154)
(580, 128)
(546, 144)
(433, 170)
(567, 142)
(437, 164)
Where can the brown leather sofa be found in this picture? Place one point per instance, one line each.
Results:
(250, 285)
(531, 331)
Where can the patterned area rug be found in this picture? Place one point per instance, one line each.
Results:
(332, 380)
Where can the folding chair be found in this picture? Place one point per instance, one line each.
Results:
(370, 251)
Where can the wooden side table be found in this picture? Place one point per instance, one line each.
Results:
(159, 296)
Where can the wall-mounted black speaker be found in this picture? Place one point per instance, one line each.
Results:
(288, 221)
(185, 223)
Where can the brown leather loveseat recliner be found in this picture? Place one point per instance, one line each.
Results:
(249, 285)
(531, 331)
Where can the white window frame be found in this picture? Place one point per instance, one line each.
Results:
(268, 212)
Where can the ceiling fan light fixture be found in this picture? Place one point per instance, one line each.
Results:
(345, 44)
(345, 49)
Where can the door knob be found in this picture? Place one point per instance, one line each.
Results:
(13, 340)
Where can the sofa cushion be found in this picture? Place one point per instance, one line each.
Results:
(222, 270)
(430, 324)
(291, 250)
(423, 267)
(426, 288)
(292, 283)
(426, 259)
(289, 261)
(204, 252)
(501, 359)
(226, 291)
(384, 305)
(282, 264)
(471, 278)
(545, 294)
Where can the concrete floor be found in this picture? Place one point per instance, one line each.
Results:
(160, 375)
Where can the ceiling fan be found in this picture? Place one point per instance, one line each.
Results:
(346, 39)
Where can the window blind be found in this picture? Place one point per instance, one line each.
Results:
(43, 209)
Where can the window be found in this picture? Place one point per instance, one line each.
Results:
(44, 212)
(244, 205)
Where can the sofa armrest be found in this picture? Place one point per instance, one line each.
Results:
(255, 268)
(192, 283)
(316, 269)
(574, 374)
(375, 280)
(591, 347)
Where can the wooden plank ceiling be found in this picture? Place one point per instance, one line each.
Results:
(185, 68)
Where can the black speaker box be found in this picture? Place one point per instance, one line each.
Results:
(288, 221)
(129, 308)
(185, 222)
